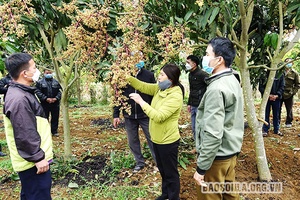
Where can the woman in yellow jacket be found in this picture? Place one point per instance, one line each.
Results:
(164, 113)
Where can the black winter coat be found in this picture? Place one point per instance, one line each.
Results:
(48, 88)
(136, 110)
(277, 87)
(197, 86)
(4, 83)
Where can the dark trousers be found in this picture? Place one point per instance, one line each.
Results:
(289, 109)
(132, 130)
(35, 186)
(52, 109)
(275, 105)
(167, 161)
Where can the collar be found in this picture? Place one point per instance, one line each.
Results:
(22, 87)
(225, 72)
(195, 70)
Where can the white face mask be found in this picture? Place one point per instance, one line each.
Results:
(205, 64)
(188, 66)
(36, 75)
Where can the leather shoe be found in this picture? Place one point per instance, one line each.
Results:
(2, 154)
(137, 168)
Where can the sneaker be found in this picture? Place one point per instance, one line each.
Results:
(279, 133)
(288, 125)
(137, 168)
(2, 154)
(265, 134)
(55, 134)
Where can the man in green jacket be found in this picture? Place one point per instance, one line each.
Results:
(219, 123)
(291, 88)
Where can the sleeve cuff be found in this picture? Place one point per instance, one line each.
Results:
(200, 171)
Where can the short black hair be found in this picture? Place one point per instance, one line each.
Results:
(194, 58)
(223, 47)
(16, 63)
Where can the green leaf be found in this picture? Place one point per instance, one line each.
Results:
(293, 6)
(26, 19)
(205, 19)
(215, 12)
(154, 28)
(179, 20)
(60, 40)
(274, 40)
(15, 177)
(267, 39)
(188, 15)
(182, 164)
(185, 160)
(146, 25)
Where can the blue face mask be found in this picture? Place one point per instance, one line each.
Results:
(164, 84)
(140, 65)
(48, 76)
(205, 65)
(289, 65)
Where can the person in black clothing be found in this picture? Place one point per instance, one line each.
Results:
(273, 101)
(136, 118)
(197, 86)
(4, 83)
(48, 91)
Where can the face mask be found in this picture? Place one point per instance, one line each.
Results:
(36, 75)
(289, 65)
(140, 65)
(205, 65)
(48, 76)
(164, 84)
(188, 66)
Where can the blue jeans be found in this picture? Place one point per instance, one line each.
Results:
(193, 118)
(35, 186)
(275, 105)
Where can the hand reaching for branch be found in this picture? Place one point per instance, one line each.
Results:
(137, 98)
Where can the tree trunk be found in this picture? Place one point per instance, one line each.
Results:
(78, 91)
(66, 124)
(256, 127)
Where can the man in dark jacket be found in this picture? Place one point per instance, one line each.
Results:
(197, 86)
(137, 118)
(4, 82)
(27, 129)
(273, 101)
(49, 92)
